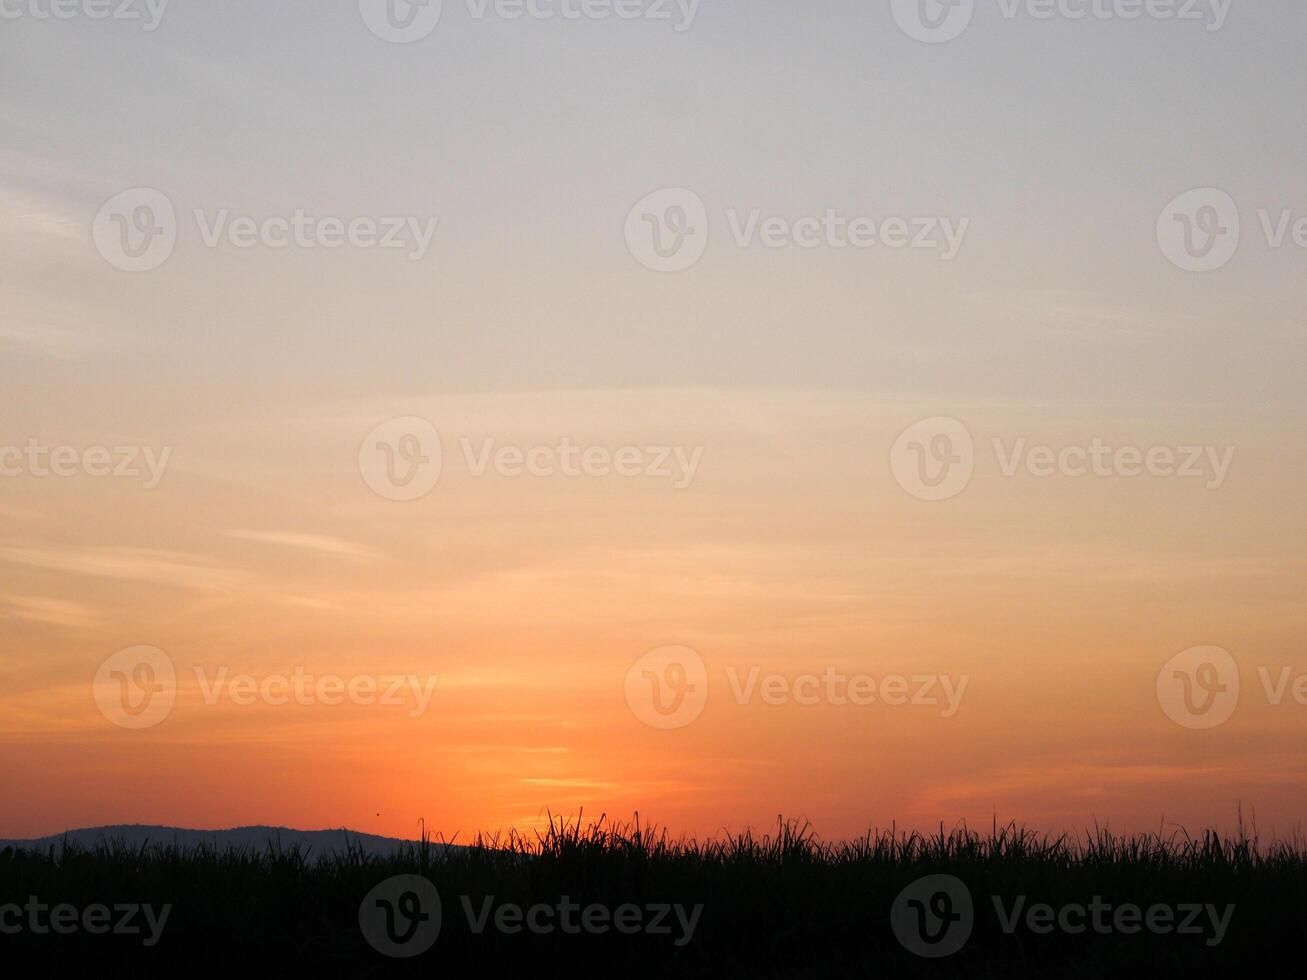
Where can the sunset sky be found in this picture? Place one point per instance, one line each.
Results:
(786, 375)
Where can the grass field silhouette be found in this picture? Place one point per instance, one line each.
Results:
(629, 899)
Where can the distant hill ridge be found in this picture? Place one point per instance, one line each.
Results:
(238, 838)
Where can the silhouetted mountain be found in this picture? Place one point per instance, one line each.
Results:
(313, 842)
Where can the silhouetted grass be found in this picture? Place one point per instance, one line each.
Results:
(778, 904)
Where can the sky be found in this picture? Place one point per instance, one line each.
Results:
(660, 401)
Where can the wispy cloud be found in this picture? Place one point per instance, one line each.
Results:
(140, 564)
(36, 609)
(572, 783)
(49, 340)
(309, 542)
(25, 214)
(1067, 314)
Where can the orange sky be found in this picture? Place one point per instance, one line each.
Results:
(528, 598)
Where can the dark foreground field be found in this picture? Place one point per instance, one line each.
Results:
(614, 901)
